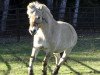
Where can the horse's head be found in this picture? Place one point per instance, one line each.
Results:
(38, 15)
(35, 16)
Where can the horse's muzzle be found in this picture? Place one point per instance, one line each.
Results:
(32, 32)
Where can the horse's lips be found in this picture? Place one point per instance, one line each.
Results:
(35, 30)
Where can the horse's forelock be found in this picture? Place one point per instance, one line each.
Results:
(34, 6)
(37, 6)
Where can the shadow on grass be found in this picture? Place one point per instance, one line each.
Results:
(87, 43)
(14, 52)
(20, 59)
(87, 66)
(50, 70)
(7, 64)
(80, 58)
(76, 72)
(94, 70)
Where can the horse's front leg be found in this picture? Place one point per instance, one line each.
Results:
(55, 72)
(32, 58)
(45, 64)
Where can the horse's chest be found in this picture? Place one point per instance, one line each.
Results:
(39, 39)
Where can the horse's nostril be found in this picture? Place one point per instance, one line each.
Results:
(34, 31)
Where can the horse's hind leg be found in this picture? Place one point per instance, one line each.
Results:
(55, 72)
(45, 64)
(32, 58)
(57, 57)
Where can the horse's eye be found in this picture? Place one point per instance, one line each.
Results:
(38, 17)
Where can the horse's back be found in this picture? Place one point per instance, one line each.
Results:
(68, 30)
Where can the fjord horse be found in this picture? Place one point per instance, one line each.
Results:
(53, 36)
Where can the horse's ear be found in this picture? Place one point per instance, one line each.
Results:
(41, 6)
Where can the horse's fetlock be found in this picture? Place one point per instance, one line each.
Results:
(30, 72)
(44, 72)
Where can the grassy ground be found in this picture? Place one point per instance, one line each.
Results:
(84, 59)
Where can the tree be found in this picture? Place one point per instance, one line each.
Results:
(55, 10)
(4, 15)
(50, 4)
(62, 9)
(76, 12)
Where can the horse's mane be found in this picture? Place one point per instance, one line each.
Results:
(46, 10)
(42, 7)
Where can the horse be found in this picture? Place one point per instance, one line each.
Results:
(54, 37)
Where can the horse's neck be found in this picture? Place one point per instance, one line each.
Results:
(48, 16)
(48, 30)
(50, 21)
(49, 26)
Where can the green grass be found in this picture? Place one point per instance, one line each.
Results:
(84, 59)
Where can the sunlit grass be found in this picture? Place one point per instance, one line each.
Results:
(84, 59)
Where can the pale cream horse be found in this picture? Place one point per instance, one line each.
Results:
(53, 36)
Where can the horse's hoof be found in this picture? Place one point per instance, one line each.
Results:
(44, 72)
(30, 72)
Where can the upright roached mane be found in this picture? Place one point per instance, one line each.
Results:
(54, 36)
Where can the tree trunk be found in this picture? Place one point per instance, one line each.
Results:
(76, 13)
(62, 9)
(50, 4)
(4, 15)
